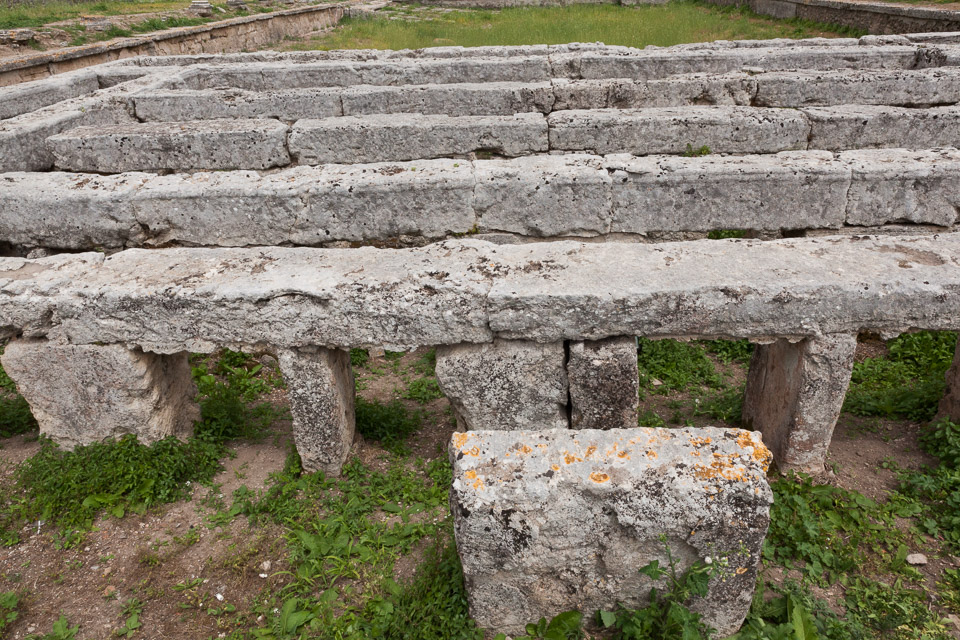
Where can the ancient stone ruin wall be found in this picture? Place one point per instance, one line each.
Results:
(528, 211)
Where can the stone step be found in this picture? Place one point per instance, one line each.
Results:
(541, 196)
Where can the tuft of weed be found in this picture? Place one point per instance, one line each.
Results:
(9, 601)
(423, 390)
(390, 424)
(723, 234)
(359, 357)
(678, 365)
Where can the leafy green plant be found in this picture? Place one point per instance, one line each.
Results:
(697, 152)
(132, 609)
(936, 492)
(359, 357)
(678, 365)
(723, 234)
(9, 601)
(730, 350)
(564, 626)
(61, 631)
(390, 423)
(15, 416)
(423, 390)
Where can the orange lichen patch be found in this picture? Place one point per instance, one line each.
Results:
(624, 455)
(475, 451)
(570, 458)
(460, 439)
(478, 485)
(590, 451)
(542, 447)
(470, 475)
(760, 452)
(555, 467)
(695, 453)
(721, 467)
(598, 477)
(525, 449)
(699, 442)
(652, 454)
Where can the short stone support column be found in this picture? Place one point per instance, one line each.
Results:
(82, 394)
(794, 395)
(604, 383)
(321, 391)
(950, 404)
(554, 520)
(505, 385)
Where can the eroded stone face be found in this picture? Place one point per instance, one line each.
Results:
(82, 394)
(555, 520)
(604, 383)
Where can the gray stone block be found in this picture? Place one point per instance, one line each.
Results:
(604, 383)
(829, 88)
(395, 137)
(554, 520)
(505, 384)
(671, 130)
(543, 196)
(894, 185)
(793, 190)
(29, 96)
(950, 403)
(23, 139)
(82, 394)
(794, 395)
(212, 104)
(864, 127)
(208, 144)
(464, 99)
(321, 392)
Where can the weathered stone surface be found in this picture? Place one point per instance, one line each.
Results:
(462, 99)
(672, 130)
(865, 126)
(950, 404)
(556, 520)
(506, 384)
(209, 144)
(826, 88)
(321, 391)
(393, 137)
(728, 89)
(794, 396)
(23, 140)
(894, 185)
(82, 394)
(604, 383)
(211, 104)
(543, 196)
(792, 190)
(30, 96)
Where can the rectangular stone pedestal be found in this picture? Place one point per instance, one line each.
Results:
(950, 404)
(794, 395)
(506, 384)
(562, 519)
(604, 384)
(82, 394)
(321, 392)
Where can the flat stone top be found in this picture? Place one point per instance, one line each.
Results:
(490, 466)
(194, 127)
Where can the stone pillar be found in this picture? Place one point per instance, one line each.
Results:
(82, 394)
(505, 385)
(604, 384)
(950, 404)
(794, 396)
(550, 521)
(321, 392)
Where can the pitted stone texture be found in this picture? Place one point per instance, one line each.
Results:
(465, 99)
(555, 520)
(730, 89)
(321, 390)
(673, 130)
(543, 196)
(82, 394)
(30, 96)
(827, 88)
(950, 404)
(792, 190)
(870, 126)
(506, 384)
(212, 104)
(208, 144)
(394, 137)
(894, 185)
(604, 384)
(794, 396)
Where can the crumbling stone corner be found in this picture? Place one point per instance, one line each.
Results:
(794, 395)
(321, 392)
(82, 394)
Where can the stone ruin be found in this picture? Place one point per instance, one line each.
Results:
(526, 210)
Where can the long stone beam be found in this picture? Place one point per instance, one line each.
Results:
(468, 291)
(539, 196)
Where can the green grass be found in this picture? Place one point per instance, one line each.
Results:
(674, 23)
(389, 424)
(32, 15)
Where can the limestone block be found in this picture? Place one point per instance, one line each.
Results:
(604, 383)
(394, 137)
(554, 520)
(22, 139)
(792, 190)
(212, 104)
(505, 384)
(794, 396)
(727, 89)
(205, 144)
(321, 392)
(82, 394)
(895, 185)
(950, 404)
(462, 99)
(828, 88)
(30, 96)
(543, 196)
(865, 126)
(671, 130)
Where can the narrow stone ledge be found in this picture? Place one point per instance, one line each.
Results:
(82, 394)
(870, 126)
(214, 104)
(794, 396)
(868, 87)
(554, 520)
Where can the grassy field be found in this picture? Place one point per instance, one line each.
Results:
(664, 25)
(32, 15)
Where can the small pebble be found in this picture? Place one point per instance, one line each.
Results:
(916, 559)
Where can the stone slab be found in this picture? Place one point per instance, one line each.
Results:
(604, 383)
(554, 520)
(864, 126)
(209, 144)
(213, 104)
(827, 88)
(397, 137)
(81, 394)
(30, 96)
(461, 99)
